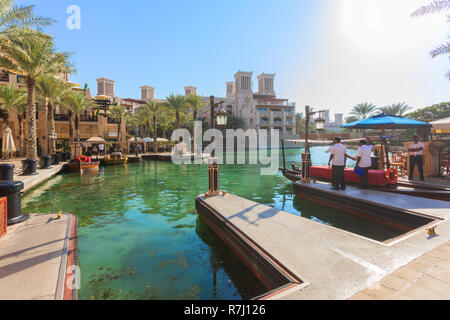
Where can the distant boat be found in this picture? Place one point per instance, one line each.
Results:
(115, 159)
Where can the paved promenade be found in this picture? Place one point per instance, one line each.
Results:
(426, 278)
(32, 181)
(34, 256)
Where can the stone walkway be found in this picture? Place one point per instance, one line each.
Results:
(32, 181)
(34, 257)
(426, 278)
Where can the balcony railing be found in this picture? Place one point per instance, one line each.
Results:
(4, 77)
(61, 117)
(113, 121)
(88, 119)
(278, 123)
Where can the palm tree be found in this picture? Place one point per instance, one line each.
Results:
(363, 110)
(195, 103)
(434, 7)
(117, 112)
(178, 104)
(76, 103)
(21, 114)
(32, 54)
(51, 90)
(398, 109)
(10, 98)
(12, 16)
(152, 109)
(166, 120)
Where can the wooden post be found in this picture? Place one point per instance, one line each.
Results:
(284, 156)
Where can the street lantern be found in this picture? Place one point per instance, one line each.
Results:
(320, 123)
(221, 118)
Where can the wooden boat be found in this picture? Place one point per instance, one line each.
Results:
(410, 188)
(134, 159)
(115, 159)
(83, 167)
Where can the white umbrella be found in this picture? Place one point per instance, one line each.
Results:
(96, 140)
(8, 143)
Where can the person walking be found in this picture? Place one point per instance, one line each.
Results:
(415, 150)
(338, 156)
(364, 161)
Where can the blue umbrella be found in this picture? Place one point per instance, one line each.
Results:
(386, 121)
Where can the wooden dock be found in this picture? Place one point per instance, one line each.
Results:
(313, 260)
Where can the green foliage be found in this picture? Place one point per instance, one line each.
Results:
(433, 113)
(13, 17)
(12, 97)
(76, 102)
(398, 109)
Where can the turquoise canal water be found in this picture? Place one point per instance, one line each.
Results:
(141, 238)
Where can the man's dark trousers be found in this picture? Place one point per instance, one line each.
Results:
(413, 161)
(339, 177)
(365, 178)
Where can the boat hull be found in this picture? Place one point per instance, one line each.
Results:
(411, 190)
(115, 162)
(83, 167)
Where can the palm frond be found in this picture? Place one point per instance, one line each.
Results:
(440, 50)
(433, 7)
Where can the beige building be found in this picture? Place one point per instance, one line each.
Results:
(91, 125)
(261, 109)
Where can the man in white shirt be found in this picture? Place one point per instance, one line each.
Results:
(364, 161)
(415, 150)
(339, 158)
(101, 148)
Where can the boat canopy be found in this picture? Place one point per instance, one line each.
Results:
(386, 121)
(326, 142)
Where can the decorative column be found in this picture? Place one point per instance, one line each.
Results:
(213, 177)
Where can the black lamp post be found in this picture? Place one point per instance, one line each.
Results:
(221, 117)
(306, 157)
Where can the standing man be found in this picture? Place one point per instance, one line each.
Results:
(101, 148)
(339, 158)
(364, 160)
(415, 150)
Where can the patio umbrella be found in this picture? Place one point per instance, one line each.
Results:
(385, 121)
(96, 140)
(8, 143)
(133, 140)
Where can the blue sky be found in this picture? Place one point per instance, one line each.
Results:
(327, 53)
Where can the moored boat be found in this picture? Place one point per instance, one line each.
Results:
(115, 159)
(83, 165)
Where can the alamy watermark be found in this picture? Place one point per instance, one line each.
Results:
(189, 150)
(73, 22)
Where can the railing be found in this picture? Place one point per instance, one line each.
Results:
(278, 123)
(88, 119)
(3, 216)
(113, 121)
(61, 117)
(4, 77)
